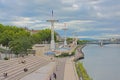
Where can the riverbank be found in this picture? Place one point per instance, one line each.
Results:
(81, 71)
(65, 68)
(79, 54)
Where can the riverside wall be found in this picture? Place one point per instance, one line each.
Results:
(79, 54)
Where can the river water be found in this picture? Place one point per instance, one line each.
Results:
(102, 63)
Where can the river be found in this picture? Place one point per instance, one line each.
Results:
(102, 63)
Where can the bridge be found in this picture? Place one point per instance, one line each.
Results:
(103, 42)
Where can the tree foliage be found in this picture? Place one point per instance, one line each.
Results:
(80, 42)
(20, 45)
(43, 36)
(19, 39)
(69, 40)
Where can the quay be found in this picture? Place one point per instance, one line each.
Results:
(39, 68)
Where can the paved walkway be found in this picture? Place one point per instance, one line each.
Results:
(60, 67)
(43, 73)
(65, 70)
(70, 72)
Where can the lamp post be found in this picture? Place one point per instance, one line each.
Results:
(65, 28)
(52, 21)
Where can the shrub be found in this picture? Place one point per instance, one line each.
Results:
(63, 55)
(73, 53)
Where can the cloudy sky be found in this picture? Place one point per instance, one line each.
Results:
(93, 19)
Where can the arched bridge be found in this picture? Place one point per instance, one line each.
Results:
(101, 43)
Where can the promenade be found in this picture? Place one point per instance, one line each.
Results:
(60, 68)
(70, 71)
(39, 68)
(43, 73)
(64, 69)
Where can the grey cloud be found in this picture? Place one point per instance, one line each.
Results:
(104, 13)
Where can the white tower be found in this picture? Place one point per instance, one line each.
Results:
(65, 28)
(52, 21)
(74, 38)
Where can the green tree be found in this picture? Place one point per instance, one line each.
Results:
(82, 41)
(36, 38)
(17, 39)
(1, 28)
(42, 36)
(20, 45)
(69, 40)
(6, 37)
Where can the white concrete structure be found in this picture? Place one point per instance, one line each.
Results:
(52, 21)
(40, 49)
(65, 28)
